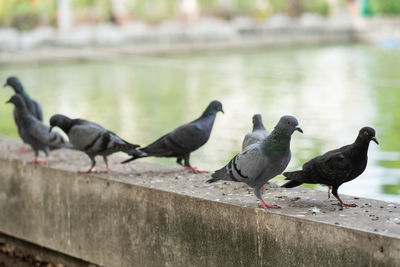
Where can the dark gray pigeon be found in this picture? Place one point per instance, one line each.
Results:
(261, 161)
(91, 138)
(336, 166)
(259, 133)
(183, 140)
(35, 133)
(33, 107)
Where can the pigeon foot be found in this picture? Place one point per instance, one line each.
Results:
(193, 170)
(24, 149)
(341, 203)
(268, 206)
(87, 171)
(43, 162)
(265, 205)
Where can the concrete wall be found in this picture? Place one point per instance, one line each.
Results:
(113, 223)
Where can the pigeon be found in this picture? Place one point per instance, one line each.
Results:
(336, 166)
(183, 140)
(34, 132)
(259, 133)
(261, 161)
(33, 107)
(91, 138)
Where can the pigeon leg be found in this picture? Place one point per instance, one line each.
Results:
(35, 160)
(341, 203)
(263, 189)
(91, 167)
(24, 149)
(43, 162)
(179, 161)
(107, 170)
(329, 191)
(257, 192)
(187, 166)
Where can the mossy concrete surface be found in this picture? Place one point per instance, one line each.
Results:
(145, 214)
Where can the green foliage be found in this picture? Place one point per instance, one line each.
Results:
(316, 6)
(391, 189)
(26, 14)
(389, 7)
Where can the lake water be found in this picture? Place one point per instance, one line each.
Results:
(332, 90)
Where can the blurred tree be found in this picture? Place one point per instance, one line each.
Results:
(389, 7)
(295, 8)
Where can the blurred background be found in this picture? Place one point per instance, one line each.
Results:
(143, 67)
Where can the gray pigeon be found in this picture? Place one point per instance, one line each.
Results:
(262, 161)
(183, 140)
(33, 107)
(34, 132)
(259, 133)
(91, 138)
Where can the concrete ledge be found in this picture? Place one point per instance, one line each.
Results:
(146, 214)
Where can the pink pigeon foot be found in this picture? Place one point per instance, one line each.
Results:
(43, 162)
(193, 170)
(265, 205)
(88, 171)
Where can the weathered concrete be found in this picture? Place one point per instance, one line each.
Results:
(152, 215)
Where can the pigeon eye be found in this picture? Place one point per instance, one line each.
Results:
(288, 122)
(365, 133)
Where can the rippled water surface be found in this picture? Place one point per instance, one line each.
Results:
(333, 91)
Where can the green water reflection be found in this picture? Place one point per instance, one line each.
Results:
(333, 91)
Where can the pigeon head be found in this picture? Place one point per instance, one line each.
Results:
(14, 83)
(18, 102)
(288, 124)
(61, 121)
(257, 122)
(367, 134)
(213, 108)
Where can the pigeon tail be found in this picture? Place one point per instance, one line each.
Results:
(295, 178)
(126, 147)
(136, 154)
(220, 174)
(212, 180)
(291, 184)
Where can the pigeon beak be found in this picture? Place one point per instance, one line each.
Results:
(375, 140)
(5, 85)
(8, 101)
(222, 111)
(51, 128)
(299, 129)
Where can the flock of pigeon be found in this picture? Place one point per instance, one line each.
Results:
(264, 155)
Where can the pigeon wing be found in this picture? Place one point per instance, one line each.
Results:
(329, 168)
(86, 137)
(244, 167)
(180, 141)
(41, 133)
